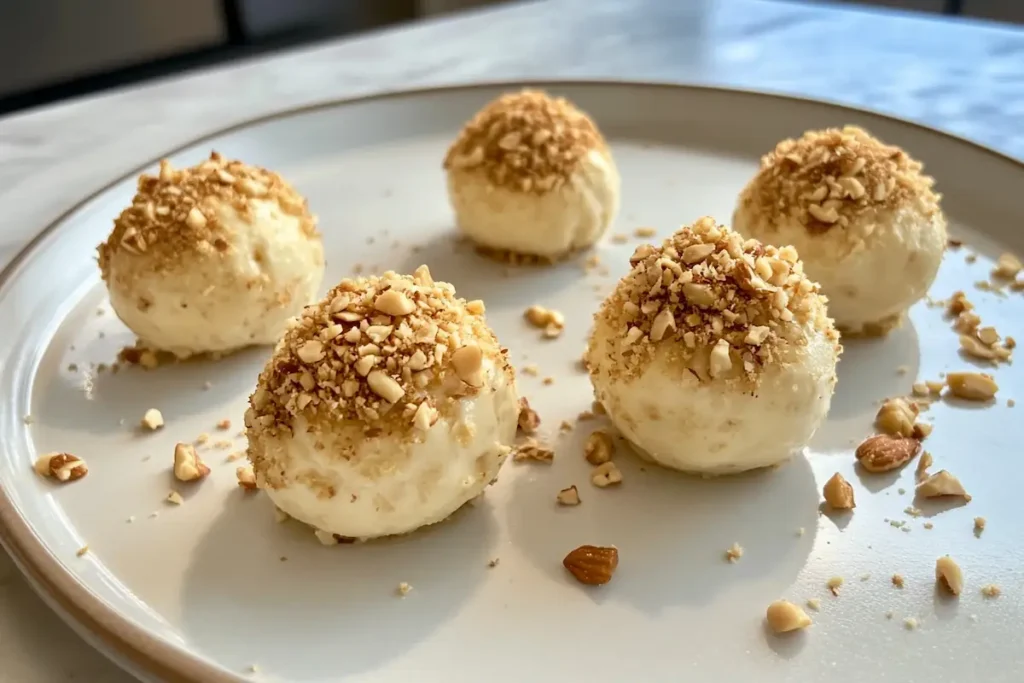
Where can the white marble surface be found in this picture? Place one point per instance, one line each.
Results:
(964, 77)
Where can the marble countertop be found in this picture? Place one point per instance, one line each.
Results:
(963, 77)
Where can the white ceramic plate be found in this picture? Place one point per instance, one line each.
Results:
(201, 592)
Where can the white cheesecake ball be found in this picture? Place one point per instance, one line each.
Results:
(212, 258)
(714, 355)
(385, 408)
(531, 175)
(862, 216)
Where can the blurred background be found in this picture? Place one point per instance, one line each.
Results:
(54, 49)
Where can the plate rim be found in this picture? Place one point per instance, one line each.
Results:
(126, 643)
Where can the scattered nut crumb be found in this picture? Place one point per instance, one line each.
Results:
(910, 623)
(246, 478)
(834, 583)
(644, 233)
(971, 386)
(592, 565)
(801, 531)
(598, 448)
(1007, 266)
(897, 580)
(991, 590)
(814, 604)
(403, 589)
(620, 238)
(921, 473)
(979, 523)
(224, 424)
(948, 574)
(63, 467)
(928, 525)
(550, 321)
(187, 464)
(493, 563)
(533, 452)
(202, 439)
(896, 417)
(783, 616)
(838, 493)
(734, 553)
(237, 455)
(942, 483)
(605, 475)
(174, 498)
(528, 418)
(531, 370)
(565, 426)
(569, 496)
(548, 381)
(153, 419)
(82, 551)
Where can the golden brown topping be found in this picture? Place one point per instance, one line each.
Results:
(187, 464)
(526, 142)
(838, 493)
(942, 483)
(63, 467)
(727, 306)
(948, 575)
(829, 178)
(592, 565)
(174, 215)
(783, 616)
(391, 352)
(883, 452)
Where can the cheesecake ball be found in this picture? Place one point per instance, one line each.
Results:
(531, 175)
(212, 258)
(862, 216)
(714, 355)
(387, 406)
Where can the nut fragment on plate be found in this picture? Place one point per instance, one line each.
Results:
(834, 584)
(921, 473)
(246, 478)
(174, 498)
(896, 417)
(592, 565)
(403, 589)
(883, 452)
(605, 475)
(598, 448)
(63, 467)
(551, 321)
(187, 464)
(991, 590)
(949, 575)
(783, 617)
(569, 496)
(971, 386)
(534, 452)
(838, 493)
(897, 580)
(529, 420)
(153, 419)
(979, 523)
(734, 553)
(1007, 266)
(942, 483)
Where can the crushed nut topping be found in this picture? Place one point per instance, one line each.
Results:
(829, 178)
(174, 214)
(971, 386)
(390, 354)
(729, 307)
(598, 448)
(526, 142)
(734, 553)
(942, 483)
(153, 419)
(838, 493)
(532, 451)
(569, 496)
(529, 421)
(605, 475)
(187, 464)
(949, 575)
(882, 452)
(783, 617)
(63, 467)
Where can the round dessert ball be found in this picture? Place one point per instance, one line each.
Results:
(532, 175)
(212, 258)
(386, 406)
(714, 355)
(862, 216)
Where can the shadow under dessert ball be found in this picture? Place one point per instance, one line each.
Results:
(212, 258)
(714, 355)
(862, 216)
(532, 175)
(386, 406)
